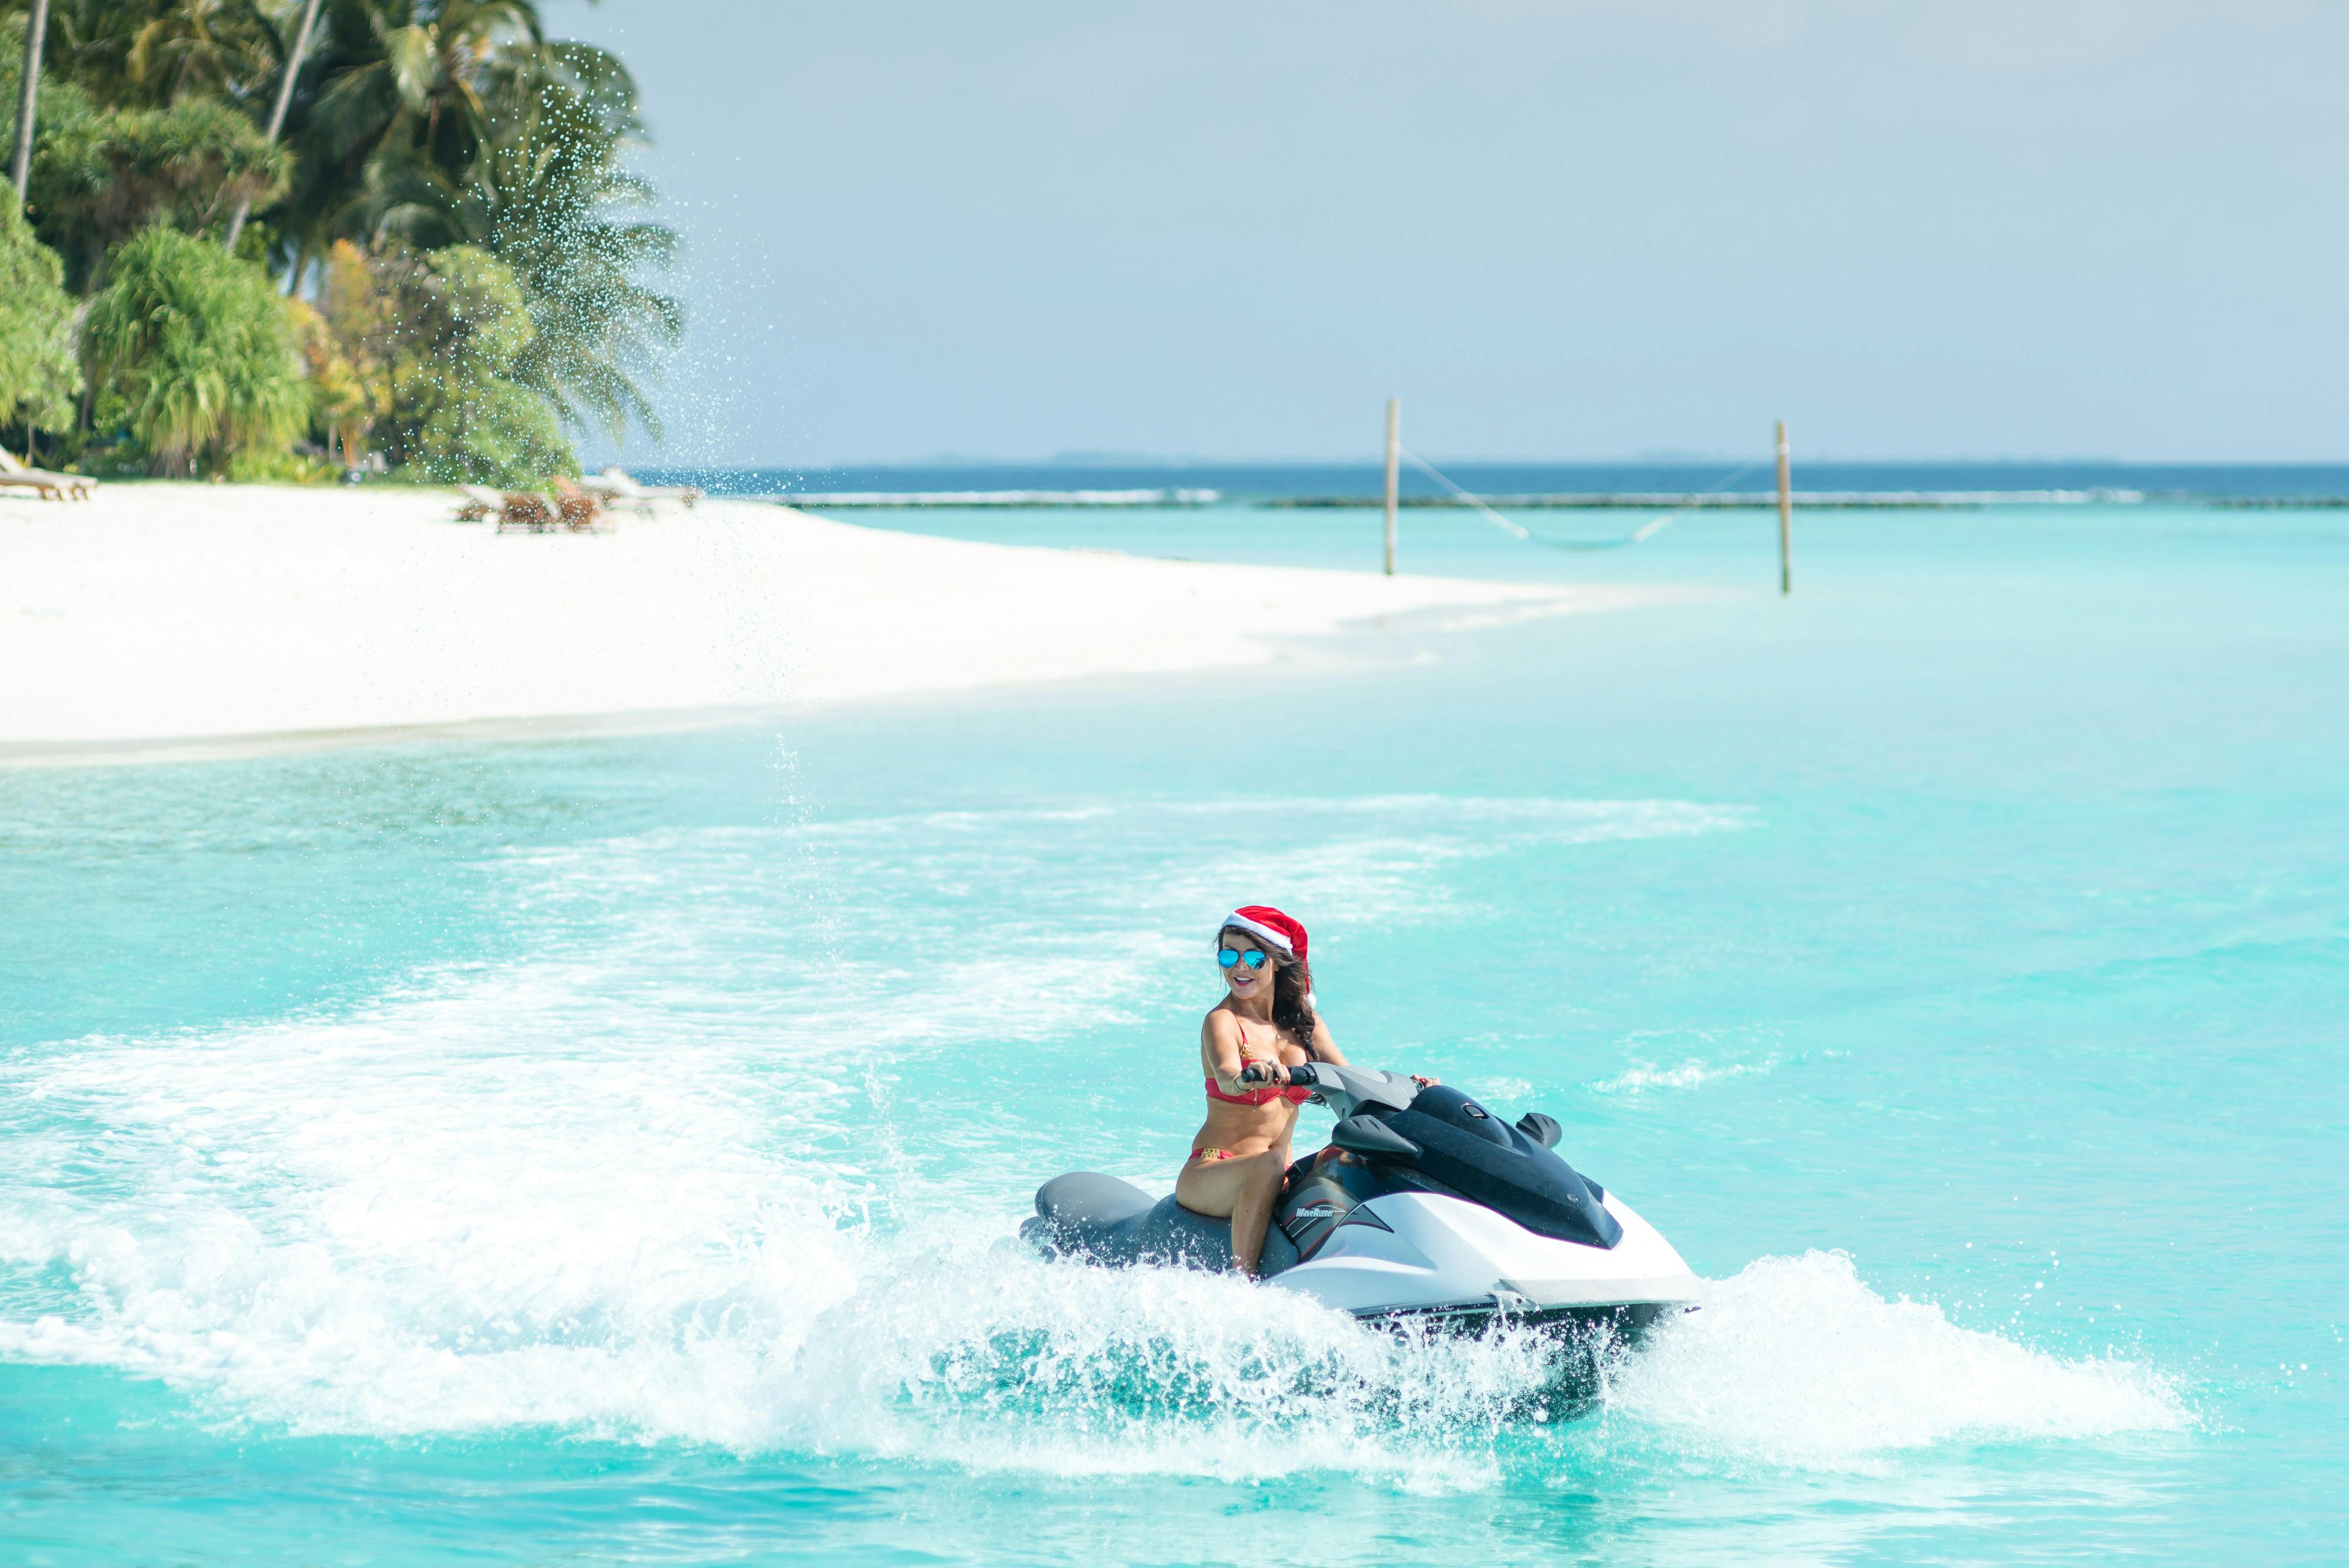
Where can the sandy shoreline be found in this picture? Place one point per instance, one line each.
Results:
(206, 613)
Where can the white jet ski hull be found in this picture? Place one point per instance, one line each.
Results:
(1409, 1254)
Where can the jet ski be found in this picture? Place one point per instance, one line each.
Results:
(1426, 1208)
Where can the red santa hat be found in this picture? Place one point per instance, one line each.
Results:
(1269, 926)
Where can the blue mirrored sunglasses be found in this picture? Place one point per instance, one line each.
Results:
(1230, 956)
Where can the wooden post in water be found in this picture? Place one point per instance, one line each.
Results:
(1394, 453)
(1785, 520)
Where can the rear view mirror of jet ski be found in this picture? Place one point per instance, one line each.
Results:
(1425, 1206)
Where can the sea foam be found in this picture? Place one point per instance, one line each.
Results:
(652, 1183)
(401, 1224)
(1796, 1361)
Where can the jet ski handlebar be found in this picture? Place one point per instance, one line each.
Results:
(1344, 1090)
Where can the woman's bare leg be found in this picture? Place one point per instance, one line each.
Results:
(1252, 1214)
(1243, 1189)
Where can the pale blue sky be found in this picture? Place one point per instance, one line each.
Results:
(1556, 229)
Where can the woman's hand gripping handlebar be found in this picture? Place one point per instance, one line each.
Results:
(1300, 1077)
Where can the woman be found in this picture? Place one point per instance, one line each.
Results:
(1267, 1016)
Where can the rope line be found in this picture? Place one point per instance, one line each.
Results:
(1430, 469)
(1639, 535)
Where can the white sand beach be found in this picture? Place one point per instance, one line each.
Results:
(194, 612)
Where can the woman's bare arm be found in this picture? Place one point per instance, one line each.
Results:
(1219, 1050)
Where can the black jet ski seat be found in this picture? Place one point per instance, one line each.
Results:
(1102, 1219)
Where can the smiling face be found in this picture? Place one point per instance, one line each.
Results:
(1242, 980)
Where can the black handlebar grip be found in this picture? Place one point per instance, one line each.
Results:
(1256, 1073)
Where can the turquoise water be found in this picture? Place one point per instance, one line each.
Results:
(608, 1151)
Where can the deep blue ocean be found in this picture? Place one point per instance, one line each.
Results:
(610, 1150)
(1282, 482)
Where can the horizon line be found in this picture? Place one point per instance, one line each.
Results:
(1078, 462)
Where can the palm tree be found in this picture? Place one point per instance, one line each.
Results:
(101, 177)
(151, 53)
(422, 75)
(198, 349)
(391, 89)
(28, 94)
(430, 123)
(199, 48)
(294, 48)
(547, 195)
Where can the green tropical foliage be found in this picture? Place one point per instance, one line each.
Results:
(348, 342)
(456, 122)
(548, 194)
(151, 53)
(445, 154)
(38, 376)
(196, 351)
(433, 338)
(99, 178)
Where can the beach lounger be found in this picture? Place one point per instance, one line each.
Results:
(46, 491)
(476, 502)
(616, 489)
(617, 497)
(579, 509)
(525, 510)
(15, 474)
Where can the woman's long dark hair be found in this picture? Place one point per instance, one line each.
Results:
(1292, 993)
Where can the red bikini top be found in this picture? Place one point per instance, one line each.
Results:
(1263, 1096)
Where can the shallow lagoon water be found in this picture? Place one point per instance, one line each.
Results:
(608, 1150)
